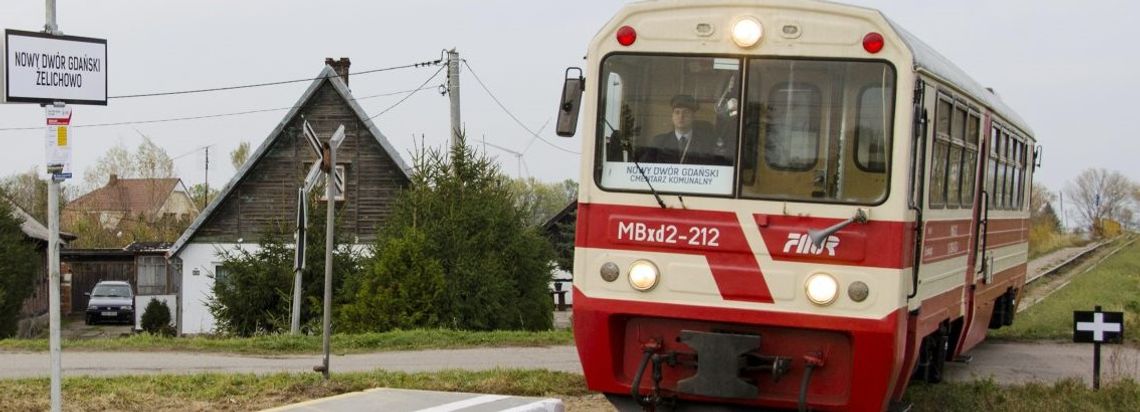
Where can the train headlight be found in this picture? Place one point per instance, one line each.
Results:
(747, 32)
(643, 275)
(822, 289)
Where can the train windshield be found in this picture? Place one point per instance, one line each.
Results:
(807, 130)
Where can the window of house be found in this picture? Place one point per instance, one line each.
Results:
(151, 275)
(220, 274)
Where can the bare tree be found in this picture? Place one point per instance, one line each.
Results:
(240, 155)
(148, 161)
(30, 192)
(1041, 210)
(1039, 197)
(1100, 194)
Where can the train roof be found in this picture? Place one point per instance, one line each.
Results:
(928, 60)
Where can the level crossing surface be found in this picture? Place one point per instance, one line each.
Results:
(402, 400)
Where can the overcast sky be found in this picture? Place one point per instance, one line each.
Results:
(1067, 67)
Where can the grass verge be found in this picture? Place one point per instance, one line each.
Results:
(1114, 284)
(986, 395)
(221, 392)
(241, 392)
(287, 344)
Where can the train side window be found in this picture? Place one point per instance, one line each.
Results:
(1025, 166)
(991, 168)
(870, 134)
(942, 125)
(955, 170)
(793, 127)
(940, 153)
(1003, 179)
(970, 160)
(1015, 163)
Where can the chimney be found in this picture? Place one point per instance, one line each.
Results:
(341, 67)
(114, 179)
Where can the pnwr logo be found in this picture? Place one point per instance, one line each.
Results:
(800, 243)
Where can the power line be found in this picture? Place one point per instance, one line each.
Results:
(246, 86)
(209, 116)
(513, 117)
(412, 92)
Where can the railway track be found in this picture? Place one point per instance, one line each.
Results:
(1063, 266)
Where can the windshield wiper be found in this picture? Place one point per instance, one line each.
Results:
(643, 176)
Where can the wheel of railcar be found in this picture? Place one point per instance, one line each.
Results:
(1000, 313)
(1010, 307)
(932, 357)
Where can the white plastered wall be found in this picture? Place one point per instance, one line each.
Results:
(197, 289)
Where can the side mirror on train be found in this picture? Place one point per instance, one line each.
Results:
(570, 103)
(1038, 151)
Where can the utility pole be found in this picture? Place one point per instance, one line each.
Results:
(206, 196)
(453, 93)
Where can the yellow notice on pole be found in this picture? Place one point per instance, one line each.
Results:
(57, 148)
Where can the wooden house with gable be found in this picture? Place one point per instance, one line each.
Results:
(263, 194)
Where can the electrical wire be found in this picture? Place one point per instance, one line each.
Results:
(246, 86)
(513, 117)
(412, 92)
(209, 116)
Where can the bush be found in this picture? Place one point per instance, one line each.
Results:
(255, 296)
(456, 253)
(156, 318)
(403, 290)
(18, 268)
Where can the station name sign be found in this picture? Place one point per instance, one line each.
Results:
(43, 68)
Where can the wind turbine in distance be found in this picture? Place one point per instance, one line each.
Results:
(518, 157)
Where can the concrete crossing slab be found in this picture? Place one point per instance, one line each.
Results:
(404, 400)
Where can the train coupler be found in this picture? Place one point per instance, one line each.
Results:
(721, 359)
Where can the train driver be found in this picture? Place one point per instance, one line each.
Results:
(689, 142)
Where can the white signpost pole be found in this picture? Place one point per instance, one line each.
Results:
(58, 157)
(53, 257)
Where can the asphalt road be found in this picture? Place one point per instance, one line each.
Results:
(1005, 362)
(30, 364)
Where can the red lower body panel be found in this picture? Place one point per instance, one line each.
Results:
(862, 358)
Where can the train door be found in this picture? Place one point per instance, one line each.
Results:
(974, 279)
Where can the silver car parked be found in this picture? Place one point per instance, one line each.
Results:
(111, 301)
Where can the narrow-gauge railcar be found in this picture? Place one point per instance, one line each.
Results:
(790, 204)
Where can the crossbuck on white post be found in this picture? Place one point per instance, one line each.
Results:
(336, 182)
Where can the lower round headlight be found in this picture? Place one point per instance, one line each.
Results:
(643, 275)
(822, 289)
